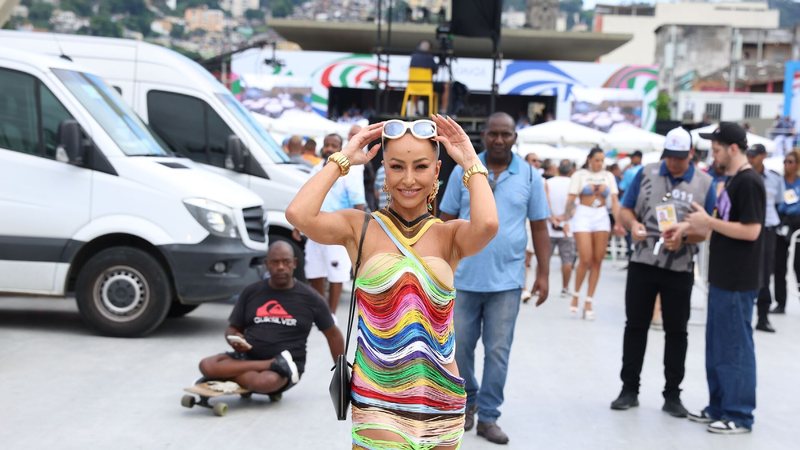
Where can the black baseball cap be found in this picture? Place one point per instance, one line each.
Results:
(728, 133)
(756, 149)
(637, 153)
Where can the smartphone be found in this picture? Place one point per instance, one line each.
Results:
(235, 338)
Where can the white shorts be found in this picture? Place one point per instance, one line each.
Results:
(327, 261)
(588, 219)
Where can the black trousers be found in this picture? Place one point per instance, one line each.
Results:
(781, 254)
(768, 268)
(643, 284)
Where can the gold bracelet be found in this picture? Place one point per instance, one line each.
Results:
(477, 168)
(342, 161)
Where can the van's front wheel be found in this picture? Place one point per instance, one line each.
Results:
(124, 292)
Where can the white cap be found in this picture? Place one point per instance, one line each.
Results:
(677, 143)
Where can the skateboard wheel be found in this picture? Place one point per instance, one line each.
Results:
(220, 409)
(275, 397)
(187, 401)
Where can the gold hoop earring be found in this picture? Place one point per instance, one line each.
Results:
(432, 195)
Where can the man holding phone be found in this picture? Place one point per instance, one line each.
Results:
(268, 329)
(662, 262)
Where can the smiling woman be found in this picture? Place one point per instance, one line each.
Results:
(406, 391)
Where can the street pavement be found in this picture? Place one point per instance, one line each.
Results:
(66, 388)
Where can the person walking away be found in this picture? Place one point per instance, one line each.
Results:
(593, 188)
(560, 231)
(789, 210)
(295, 151)
(773, 185)
(489, 284)
(734, 279)
(660, 196)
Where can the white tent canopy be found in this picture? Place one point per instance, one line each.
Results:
(560, 133)
(544, 151)
(301, 123)
(627, 138)
(705, 144)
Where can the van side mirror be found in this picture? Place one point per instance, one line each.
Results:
(235, 157)
(70, 142)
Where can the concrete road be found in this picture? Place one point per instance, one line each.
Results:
(66, 388)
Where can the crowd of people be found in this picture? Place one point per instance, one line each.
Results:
(432, 287)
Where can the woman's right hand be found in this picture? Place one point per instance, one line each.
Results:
(455, 141)
(353, 149)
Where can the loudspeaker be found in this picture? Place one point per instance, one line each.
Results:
(476, 18)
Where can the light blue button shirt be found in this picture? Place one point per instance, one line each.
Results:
(346, 192)
(519, 194)
(773, 184)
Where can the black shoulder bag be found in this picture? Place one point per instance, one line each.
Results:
(340, 383)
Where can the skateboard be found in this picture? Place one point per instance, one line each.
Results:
(203, 392)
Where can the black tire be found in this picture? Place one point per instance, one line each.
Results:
(179, 309)
(123, 292)
(299, 271)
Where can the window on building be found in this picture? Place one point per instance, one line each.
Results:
(713, 111)
(752, 111)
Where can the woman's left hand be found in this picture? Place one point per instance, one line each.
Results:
(455, 141)
(619, 230)
(353, 149)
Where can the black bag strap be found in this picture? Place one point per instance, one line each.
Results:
(367, 216)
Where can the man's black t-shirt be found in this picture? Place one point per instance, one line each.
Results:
(734, 263)
(274, 320)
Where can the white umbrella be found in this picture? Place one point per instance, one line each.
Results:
(544, 151)
(626, 137)
(301, 123)
(560, 132)
(705, 144)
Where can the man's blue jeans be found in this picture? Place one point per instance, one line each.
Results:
(494, 313)
(730, 356)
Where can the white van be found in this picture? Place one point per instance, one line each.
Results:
(92, 203)
(192, 112)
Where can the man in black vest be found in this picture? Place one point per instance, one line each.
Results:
(661, 195)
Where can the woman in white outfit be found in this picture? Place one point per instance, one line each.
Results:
(593, 188)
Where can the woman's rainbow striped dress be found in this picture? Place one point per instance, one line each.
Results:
(405, 338)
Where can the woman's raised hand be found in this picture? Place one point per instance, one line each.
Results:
(455, 141)
(353, 149)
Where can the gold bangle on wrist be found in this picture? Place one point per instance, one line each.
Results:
(342, 161)
(477, 168)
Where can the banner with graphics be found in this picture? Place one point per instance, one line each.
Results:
(323, 70)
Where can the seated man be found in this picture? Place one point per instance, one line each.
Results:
(271, 320)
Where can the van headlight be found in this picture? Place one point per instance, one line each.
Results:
(215, 217)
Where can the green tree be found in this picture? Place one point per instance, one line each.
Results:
(663, 109)
(254, 14)
(39, 14)
(102, 25)
(80, 7)
(140, 23)
(177, 31)
(281, 8)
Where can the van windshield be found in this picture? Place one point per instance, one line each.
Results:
(265, 141)
(111, 112)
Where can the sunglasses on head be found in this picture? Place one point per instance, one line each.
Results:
(420, 129)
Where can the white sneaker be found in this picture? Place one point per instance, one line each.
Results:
(564, 293)
(726, 427)
(285, 366)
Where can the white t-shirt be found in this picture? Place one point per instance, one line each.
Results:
(557, 192)
(584, 181)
